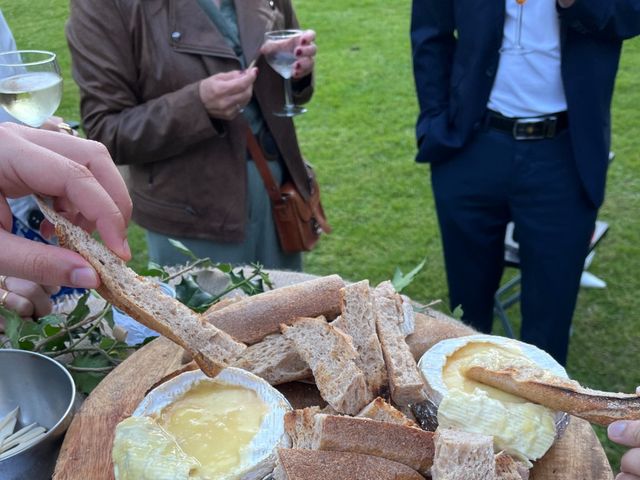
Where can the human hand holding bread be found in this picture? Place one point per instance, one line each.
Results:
(627, 433)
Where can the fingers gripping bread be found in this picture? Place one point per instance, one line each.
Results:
(143, 300)
(332, 359)
(539, 386)
(296, 464)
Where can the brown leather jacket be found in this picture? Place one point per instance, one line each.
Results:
(138, 64)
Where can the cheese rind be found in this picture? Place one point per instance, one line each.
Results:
(256, 458)
(521, 428)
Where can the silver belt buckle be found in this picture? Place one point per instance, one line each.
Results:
(527, 124)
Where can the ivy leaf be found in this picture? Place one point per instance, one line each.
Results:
(80, 311)
(457, 312)
(154, 270)
(189, 292)
(12, 326)
(401, 281)
(87, 381)
(182, 248)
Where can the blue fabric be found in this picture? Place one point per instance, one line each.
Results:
(535, 183)
(456, 53)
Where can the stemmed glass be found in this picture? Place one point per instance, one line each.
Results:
(279, 50)
(517, 47)
(30, 85)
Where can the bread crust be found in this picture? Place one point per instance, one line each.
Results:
(410, 446)
(144, 301)
(332, 359)
(539, 386)
(296, 464)
(251, 319)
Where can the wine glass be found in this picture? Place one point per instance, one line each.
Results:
(279, 50)
(517, 47)
(30, 85)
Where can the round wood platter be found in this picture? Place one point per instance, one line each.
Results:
(86, 451)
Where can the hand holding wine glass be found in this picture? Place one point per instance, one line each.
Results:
(290, 53)
(30, 85)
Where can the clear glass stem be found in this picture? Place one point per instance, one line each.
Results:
(288, 95)
(519, 26)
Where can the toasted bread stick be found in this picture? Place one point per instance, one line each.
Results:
(539, 386)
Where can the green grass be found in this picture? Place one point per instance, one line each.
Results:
(359, 134)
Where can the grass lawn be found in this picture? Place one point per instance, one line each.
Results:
(359, 134)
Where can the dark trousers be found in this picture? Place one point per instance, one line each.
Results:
(535, 183)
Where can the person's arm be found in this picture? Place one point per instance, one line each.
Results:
(105, 68)
(84, 184)
(615, 19)
(433, 45)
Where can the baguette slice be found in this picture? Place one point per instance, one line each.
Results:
(332, 358)
(539, 386)
(299, 425)
(463, 456)
(274, 359)
(325, 465)
(380, 410)
(405, 381)
(407, 445)
(357, 321)
(507, 468)
(406, 315)
(143, 300)
(432, 326)
(251, 319)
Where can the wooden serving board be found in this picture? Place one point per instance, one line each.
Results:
(86, 451)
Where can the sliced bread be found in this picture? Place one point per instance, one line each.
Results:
(541, 386)
(296, 464)
(332, 359)
(507, 468)
(405, 381)
(463, 456)
(431, 327)
(300, 426)
(251, 319)
(357, 321)
(274, 359)
(382, 411)
(407, 445)
(143, 300)
(406, 315)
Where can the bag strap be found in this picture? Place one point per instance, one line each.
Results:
(263, 167)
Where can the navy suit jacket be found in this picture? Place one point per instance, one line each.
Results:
(455, 57)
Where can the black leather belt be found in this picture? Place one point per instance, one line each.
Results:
(532, 128)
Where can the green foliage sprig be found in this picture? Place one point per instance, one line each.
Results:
(90, 345)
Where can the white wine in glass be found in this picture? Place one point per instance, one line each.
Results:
(30, 85)
(279, 51)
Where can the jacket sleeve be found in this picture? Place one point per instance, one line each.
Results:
(433, 44)
(613, 19)
(113, 112)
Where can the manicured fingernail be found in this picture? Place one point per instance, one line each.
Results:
(297, 66)
(304, 41)
(126, 248)
(85, 277)
(616, 429)
(638, 391)
(298, 52)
